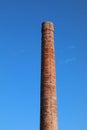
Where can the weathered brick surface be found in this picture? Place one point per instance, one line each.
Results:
(48, 108)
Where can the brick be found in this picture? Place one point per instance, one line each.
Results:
(48, 107)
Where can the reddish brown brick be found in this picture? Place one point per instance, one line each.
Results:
(48, 106)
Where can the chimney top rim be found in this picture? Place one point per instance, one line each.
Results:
(47, 22)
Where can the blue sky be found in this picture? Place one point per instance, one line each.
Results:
(20, 55)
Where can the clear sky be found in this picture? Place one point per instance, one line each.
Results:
(20, 55)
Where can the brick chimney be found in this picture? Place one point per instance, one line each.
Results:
(48, 106)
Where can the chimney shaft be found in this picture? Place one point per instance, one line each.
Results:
(48, 106)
